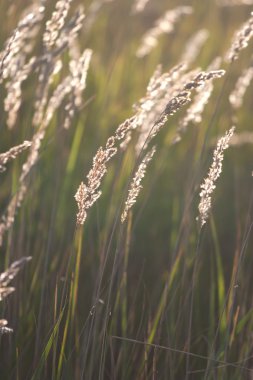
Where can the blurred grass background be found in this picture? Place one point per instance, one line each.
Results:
(150, 262)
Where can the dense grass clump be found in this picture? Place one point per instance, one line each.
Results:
(126, 190)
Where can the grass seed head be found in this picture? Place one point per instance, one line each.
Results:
(208, 186)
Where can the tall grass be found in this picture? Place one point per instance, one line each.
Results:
(139, 269)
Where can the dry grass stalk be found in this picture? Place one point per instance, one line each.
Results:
(240, 40)
(160, 84)
(87, 195)
(159, 91)
(51, 62)
(165, 24)
(12, 153)
(78, 70)
(56, 23)
(72, 86)
(183, 97)
(5, 278)
(135, 186)
(195, 111)
(56, 40)
(175, 104)
(14, 66)
(80, 197)
(13, 99)
(70, 31)
(12, 58)
(48, 69)
(208, 186)
(14, 70)
(243, 82)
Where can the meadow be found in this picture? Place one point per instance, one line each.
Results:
(126, 203)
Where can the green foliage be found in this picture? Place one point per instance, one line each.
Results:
(182, 296)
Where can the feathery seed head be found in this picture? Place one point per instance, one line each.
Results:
(240, 40)
(135, 186)
(215, 170)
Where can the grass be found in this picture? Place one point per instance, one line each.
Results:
(155, 297)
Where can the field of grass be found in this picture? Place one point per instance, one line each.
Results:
(131, 258)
